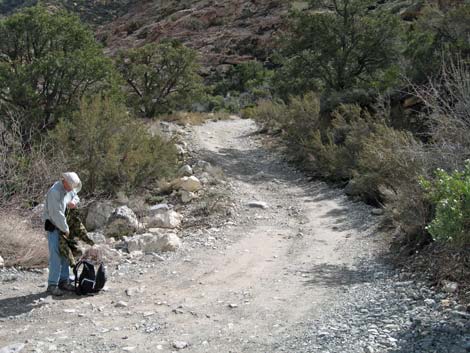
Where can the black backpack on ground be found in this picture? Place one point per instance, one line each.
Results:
(88, 281)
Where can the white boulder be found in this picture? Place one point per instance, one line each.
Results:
(98, 215)
(151, 242)
(167, 219)
(191, 184)
(2, 262)
(185, 170)
(122, 222)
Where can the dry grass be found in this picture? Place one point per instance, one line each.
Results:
(192, 118)
(22, 243)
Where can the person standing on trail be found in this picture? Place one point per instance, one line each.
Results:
(62, 195)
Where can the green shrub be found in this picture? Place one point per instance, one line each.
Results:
(160, 77)
(111, 151)
(434, 33)
(342, 44)
(45, 70)
(450, 193)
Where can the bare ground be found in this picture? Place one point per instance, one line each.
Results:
(266, 272)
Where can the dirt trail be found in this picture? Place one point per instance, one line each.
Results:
(274, 268)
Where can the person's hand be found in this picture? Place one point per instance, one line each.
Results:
(72, 205)
(66, 234)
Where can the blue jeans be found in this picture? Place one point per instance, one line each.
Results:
(58, 264)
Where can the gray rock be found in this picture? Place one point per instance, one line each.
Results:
(2, 262)
(121, 304)
(98, 215)
(429, 302)
(185, 170)
(167, 219)
(377, 211)
(98, 238)
(187, 196)
(150, 243)
(450, 287)
(122, 222)
(180, 344)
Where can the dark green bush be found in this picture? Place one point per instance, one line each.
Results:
(48, 61)
(160, 77)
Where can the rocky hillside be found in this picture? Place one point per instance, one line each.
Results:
(224, 32)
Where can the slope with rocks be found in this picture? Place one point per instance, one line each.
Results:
(293, 267)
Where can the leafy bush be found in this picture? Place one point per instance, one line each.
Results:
(450, 193)
(111, 151)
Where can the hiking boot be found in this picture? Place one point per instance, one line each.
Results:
(66, 286)
(54, 290)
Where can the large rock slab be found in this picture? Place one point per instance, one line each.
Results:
(165, 219)
(98, 215)
(151, 242)
(122, 222)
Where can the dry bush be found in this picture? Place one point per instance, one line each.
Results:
(270, 115)
(26, 174)
(389, 160)
(447, 100)
(21, 243)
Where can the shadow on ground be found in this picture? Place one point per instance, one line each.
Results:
(24, 304)
(336, 275)
(20, 305)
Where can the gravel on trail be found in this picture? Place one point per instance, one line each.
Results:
(290, 265)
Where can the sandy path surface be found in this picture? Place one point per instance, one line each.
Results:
(274, 268)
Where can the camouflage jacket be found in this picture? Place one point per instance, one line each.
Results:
(77, 231)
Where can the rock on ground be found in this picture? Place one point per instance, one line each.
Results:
(122, 222)
(98, 215)
(149, 243)
(165, 219)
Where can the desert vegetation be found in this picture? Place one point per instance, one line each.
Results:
(342, 65)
